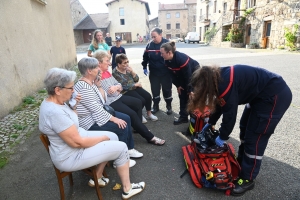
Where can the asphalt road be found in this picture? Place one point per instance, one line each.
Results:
(30, 174)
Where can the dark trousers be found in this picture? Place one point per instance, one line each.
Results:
(257, 125)
(158, 82)
(142, 95)
(183, 101)
(133, 107)
(124, 135)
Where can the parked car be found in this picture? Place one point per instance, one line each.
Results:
(192, 37)
(176, 39)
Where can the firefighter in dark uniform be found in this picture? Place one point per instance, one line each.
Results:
(266, 96)
(159, 75)
(181, 67)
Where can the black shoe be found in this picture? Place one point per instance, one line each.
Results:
(155, 109)
(181, 120)
(169, 110)
(242, 186)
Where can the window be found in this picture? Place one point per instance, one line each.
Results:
(121, 11)
(268, 29)
(200, 12)
(177, 15)
(251, 3)
(168, 26)
(194, 18)
(122, 21)
(194, 29)
(177, 25)
(168, 15)
(214, 25)
(177, 35)
(207, 11)
(215, 6)
(224, 7)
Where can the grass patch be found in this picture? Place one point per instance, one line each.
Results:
(3, 161)
(19, 126)
(14, 136)
(28, 100)
(42, 91)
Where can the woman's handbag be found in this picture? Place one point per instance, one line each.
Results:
(109, 109)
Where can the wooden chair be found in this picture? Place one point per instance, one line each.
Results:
(61, 174)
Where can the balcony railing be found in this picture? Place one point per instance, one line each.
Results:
(204, 18)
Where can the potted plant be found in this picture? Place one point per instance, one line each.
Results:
(236, 36)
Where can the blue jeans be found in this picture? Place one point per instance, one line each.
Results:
(124, 135)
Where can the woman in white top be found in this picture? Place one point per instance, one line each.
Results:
(72, 148)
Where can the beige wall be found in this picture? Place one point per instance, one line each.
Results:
(33, 39)
(183, 20)
(135, 15)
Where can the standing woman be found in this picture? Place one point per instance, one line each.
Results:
(98, 43)
(266, 96)
(181, 67)
(159, 75)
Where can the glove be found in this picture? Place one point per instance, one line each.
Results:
(219, 141)
(146, 72)
(206, 127)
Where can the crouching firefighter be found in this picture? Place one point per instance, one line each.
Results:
(266, 96)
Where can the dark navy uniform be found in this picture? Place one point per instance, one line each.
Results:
(266, 96)
(182, 68)
(159, 75)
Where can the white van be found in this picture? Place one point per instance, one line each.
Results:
(192, 37)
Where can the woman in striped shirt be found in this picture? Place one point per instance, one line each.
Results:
(125, 104)
(91, 113)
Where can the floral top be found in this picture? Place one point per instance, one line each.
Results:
(127, 80)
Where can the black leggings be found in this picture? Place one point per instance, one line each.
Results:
(142, 95)
(133, 107)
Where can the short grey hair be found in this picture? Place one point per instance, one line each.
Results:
(100, 55)
(87, 63)
(57, 77)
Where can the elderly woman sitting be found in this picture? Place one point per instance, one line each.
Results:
(73, 148)
(92, 116)
(125, 75)
(122, 103)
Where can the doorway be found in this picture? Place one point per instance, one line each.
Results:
(248, 33)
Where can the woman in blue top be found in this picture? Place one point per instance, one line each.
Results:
(98, 43)
(181, 67)
(267, 97)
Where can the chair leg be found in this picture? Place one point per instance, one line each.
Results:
(61, 186)
(71, 179)
(96, 183)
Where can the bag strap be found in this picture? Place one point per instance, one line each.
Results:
(230, 82)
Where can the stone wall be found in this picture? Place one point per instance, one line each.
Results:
(78, 13)
(78, 36)
(191, 13)
(34, 38)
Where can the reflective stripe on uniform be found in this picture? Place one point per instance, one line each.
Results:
(254, 156)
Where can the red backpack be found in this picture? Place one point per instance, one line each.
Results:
(213, 167)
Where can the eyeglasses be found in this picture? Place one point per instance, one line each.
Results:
(70, 88)
(126, 62)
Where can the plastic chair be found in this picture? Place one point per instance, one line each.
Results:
(61, 174)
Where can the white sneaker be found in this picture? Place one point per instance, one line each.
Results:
(152, 117)
(134, 153)
(101, 181)
(135, 189)
(131, 163)
(144, 121)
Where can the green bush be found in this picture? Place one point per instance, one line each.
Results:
(235, 35)
(290, 37)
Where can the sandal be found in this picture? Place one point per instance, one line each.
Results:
(157, 141)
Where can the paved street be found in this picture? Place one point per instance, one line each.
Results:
(30, 174)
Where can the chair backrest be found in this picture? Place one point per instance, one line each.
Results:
(44, 138)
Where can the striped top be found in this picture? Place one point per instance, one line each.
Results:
(106, 84)
(90, 109)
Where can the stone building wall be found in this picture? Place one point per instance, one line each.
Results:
(78, 13)
(192, 17)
